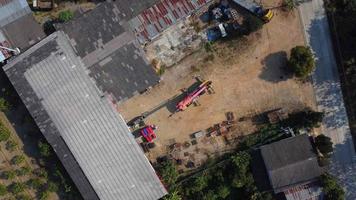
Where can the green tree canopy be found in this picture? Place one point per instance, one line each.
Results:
(324, 144)
(4, 133)
(331, 188)
(304, 119)
(10, 175)
(18, 159)
(301, 61)
(168, 172)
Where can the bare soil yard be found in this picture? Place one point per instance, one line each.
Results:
(248, 77)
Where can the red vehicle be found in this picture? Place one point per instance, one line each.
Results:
(193, 96)
(148, 133)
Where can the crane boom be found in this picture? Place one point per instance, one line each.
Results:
(191, 97)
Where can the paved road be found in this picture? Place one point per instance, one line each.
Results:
(329, 96)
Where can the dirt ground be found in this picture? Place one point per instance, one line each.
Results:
(248, 78)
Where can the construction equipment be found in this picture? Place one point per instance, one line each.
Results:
(265, 14)
(148, 133)
(193, 96)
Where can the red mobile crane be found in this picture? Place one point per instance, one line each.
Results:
(193, 96)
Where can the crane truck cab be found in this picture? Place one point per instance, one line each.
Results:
(265, 14)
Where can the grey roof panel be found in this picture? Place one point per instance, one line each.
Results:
(290, 161)
(13, 10)
(24, 32)
(95, 133)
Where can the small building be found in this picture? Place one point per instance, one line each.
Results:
(289, 168)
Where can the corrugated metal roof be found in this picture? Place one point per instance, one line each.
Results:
(152, 21)
(290, 161)
(13, 10)
(310, 191)
(95, 133)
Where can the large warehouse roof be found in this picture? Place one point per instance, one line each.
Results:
(83, 127)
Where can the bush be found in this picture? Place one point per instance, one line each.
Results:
(289, 4)
(17, 188)
(10, 175)
(23, 171)
(4, 105)
(168, 172)
(17, 160)
(23, 197)
(252, 24)
(41, 172)
(35, 183)
(4, 133)
(324, 144)
(301, 61)
(45, 149)
(52, 187)
(11, 145)
(65, 16)
(44, 195)
(3, 190)
(332, 190)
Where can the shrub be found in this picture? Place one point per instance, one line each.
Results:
(17, 188)
(169, 173)
(301, 61)
(4, 105)
(331, 188)
(44, 195)
(304, 119)
(41, 172)
(52, 187)
(23, 171)
(10, 175)
(3, 190)
(16, 160)
(4, 133)
(45, 149)
(11, 145)
(324, 144)
(172, 196)
(65, 16)
(23, 197)
(289, 4)
(35, 183)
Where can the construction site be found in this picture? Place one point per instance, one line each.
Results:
(215, 89)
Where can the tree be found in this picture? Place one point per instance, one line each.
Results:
(4, 105)
(3, 190)
(18, 159)
(301, 61)
(331, 188)
(242, 176)
(304, 119)
(324, 144)
(45, 149)
(65, 16)
(17, 188)
(169, 173)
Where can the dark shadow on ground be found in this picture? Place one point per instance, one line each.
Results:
(275, 69)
